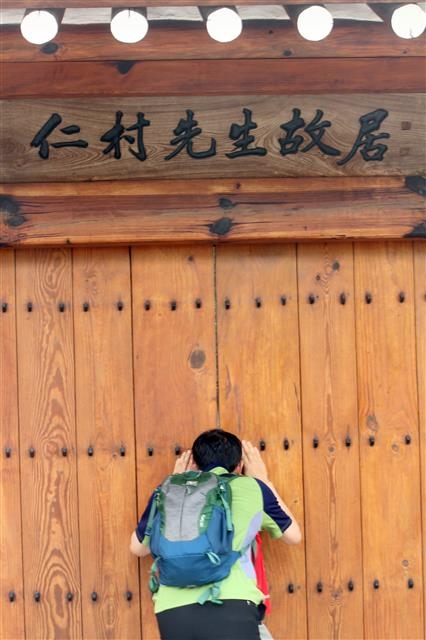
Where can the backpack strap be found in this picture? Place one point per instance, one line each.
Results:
(154, 583)
(211, 594)
(152, 512)
(223, 484)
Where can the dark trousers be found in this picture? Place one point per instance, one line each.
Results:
(232, 620)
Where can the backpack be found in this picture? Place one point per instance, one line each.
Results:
(190, 532)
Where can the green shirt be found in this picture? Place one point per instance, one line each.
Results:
(251, 512)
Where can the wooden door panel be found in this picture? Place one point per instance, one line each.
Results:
(330, 441)
(259, 395)
(389, 440)
(11, 576)
(420, 310)
(106, 442)
(47, 444)
(124, 358)
(175, 367)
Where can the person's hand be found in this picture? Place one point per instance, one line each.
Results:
(253, 462)
(185, 462)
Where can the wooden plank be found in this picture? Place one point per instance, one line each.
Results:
(222, 187)
(104, 395)
(223, 211)
(330, 441)
(47, 425)
(259, 396)
(175, 367)
(182, 136)
(11, 570)
(185, 40)
(420, 311)
(389, 440)
(207, 77)
(12, 4)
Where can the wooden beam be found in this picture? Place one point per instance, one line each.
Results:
(178, 40)
(75, 4)
(289, 210)
(34, 156)
(201, 186)
(207, 77)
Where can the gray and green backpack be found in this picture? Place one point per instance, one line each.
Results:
(190, 532)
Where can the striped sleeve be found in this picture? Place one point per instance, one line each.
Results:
(275, 520)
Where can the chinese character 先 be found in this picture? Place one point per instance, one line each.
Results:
(185, 131)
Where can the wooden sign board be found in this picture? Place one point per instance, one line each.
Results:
(212, 137)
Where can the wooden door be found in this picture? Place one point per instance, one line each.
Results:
(389, 439)
(11, 574)
(48, 456)
(112, 360)
(259, 395)
(330, 440)
(175, 367)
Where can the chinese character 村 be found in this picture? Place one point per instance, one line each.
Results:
(116, 134)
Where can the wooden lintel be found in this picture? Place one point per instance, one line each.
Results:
(177, 40)
(286, 210)
(208, 77)
(36, 4)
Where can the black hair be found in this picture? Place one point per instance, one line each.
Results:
(217, 448)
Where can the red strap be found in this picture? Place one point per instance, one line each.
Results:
(259, 567)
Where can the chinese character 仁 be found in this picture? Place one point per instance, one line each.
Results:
(40, 138)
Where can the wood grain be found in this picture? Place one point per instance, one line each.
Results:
(11, 569)
(142, 3)
(330, 415)
(176, 40)
(341, 116)
(207, 77)
(388, 412)
(175, 367)
(227, 211)
(420, 312)
(223, 186)
(104, 404)
(47, 424)
(259, 396)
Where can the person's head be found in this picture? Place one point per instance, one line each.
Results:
(217, 448)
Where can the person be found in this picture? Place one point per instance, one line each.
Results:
(256, 505)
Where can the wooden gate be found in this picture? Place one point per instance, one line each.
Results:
(112, 360)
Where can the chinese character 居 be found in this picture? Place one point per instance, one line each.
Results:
(366, 141)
